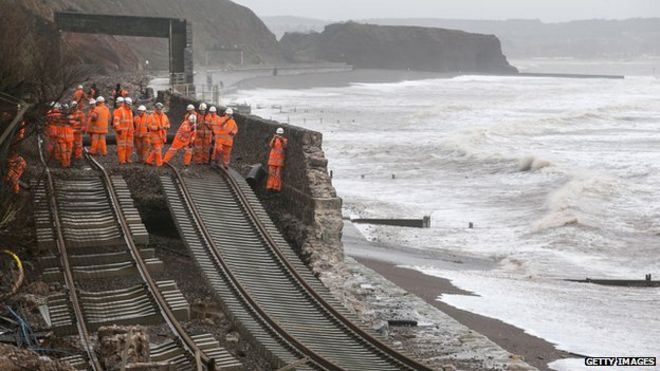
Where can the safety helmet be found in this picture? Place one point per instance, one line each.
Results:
(57, 105)
(80, 87)
(202, 107)
(229, 111)
(213, 109)
(279, 131)
(74, 103)
(142, 109)
(192, 119)
(128, 101)
(92, 101)
(190, 107)
(65, 106)
(120, 99)
(159, 105)
(100, 99)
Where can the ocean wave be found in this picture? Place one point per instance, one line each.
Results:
(582, 201)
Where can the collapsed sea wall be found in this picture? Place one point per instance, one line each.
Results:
(307, 211)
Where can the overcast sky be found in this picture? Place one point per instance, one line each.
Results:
(546, 10)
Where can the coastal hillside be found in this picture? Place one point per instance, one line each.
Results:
(391, 47)
(526, 38)
(216, 24)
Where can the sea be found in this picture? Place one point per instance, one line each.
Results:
(559, 177)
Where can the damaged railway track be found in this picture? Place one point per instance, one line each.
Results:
(96, 229)
(264, 286)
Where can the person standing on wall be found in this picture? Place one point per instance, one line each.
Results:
(276, 160)
(158, 125)
(99, 119)
(224, 131)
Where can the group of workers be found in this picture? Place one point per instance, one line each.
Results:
(205, 135)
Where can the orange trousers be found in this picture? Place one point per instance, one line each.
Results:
(142, 147)
(224, 151)
(98, 144)
(125, 146)
(202, 153)
(175, 147)
(52, 147)
(15, 167)
(156, 155)
(77, 144)
(274, 178)
(65, 149)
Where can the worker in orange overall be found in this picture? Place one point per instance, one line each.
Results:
(183, 140)
(79, 96)
(99, 119)
(122, 122)
(77, 121)
(158, 125)
(65, 140)
(224, 131)
(141, 134)
(15, 167)
(276, 161)
(53, 116)
(204, 136)
(130, 138)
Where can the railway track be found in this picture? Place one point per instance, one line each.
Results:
(263, 284)
(96, 229)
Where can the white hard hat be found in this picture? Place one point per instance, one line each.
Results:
(190, 107)
(57, 105)
(120, 99)
(100, 99)
(159, 105)
(213, 109)
(192, 119)
(229, 111)
(202, 107)
(80, 87)
(128, 101)
(92, 101)
(279, 131)
(142, 108)
(74, 103)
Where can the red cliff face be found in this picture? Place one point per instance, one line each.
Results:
(216, 23)
(395, 47)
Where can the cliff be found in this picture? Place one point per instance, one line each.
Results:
(216, 23)
(392, 47)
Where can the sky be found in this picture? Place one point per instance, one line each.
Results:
(545, 10)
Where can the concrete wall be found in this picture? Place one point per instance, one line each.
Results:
(307, 210)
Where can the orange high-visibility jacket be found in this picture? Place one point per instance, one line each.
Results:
(53, 116)
(140, 124)
(129, 112)
(65, 131)
(77, 120)
(186, 134)
(224, 130)
(277, 146)
(122, 119)
(79, 96)
(99, 119)
(158, 124)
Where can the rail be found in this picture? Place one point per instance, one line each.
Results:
(81, 324)
(333, 357)
(174, 325)
(247, 206)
